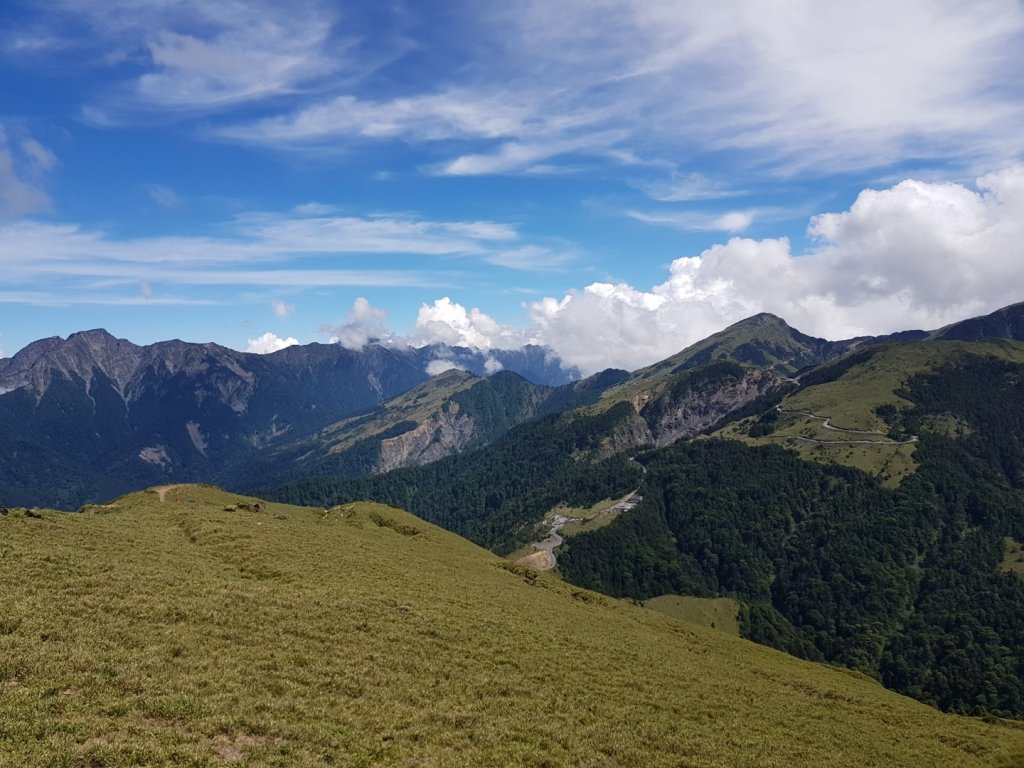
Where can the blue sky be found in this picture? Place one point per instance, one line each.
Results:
(612, 179)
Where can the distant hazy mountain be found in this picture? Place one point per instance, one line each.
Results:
(92, 415)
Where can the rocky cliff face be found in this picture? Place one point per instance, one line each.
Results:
(688, 405)
(444, 434)
(692, 412)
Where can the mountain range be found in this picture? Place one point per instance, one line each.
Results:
(91, 416)
(861, 502)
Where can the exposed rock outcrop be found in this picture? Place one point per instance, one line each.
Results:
(684, 408)
(446, 433)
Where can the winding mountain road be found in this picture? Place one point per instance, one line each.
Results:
(826, 423)
(548, 548)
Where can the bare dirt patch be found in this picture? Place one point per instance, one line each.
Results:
(161, 490)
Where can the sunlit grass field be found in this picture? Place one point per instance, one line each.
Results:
(721, 613)
(179, 633)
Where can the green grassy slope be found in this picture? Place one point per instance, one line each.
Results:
(149, 633)
(721, 613)
(850, 402)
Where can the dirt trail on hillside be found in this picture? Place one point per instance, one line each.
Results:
(161, 490)
(826, 423)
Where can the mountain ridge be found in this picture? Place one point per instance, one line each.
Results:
(102, 414)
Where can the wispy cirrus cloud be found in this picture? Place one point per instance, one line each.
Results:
(685, 188)
(314, 248)
(163, 196)
(24, 163)
(822, 87)
(729, 220)
(189, 55)
(817, 88)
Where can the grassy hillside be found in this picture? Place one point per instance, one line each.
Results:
(851, 399)
(178, 632)
(721, 613)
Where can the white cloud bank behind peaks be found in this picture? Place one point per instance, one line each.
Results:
(916, 255)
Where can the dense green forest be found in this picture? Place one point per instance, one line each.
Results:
(902, 584)
(493, 496)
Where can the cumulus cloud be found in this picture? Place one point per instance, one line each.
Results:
(441, 322)
(437, 367)
(269, 342)
(447, 322)
(492, 366)
(916, 255)
(365, 323)
(281, 309)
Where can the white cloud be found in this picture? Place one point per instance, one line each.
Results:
(442, 322)
(22, 167)
(916, 255)
(459, 114)
(269, 342)
(41, 157)
(281, 309)
(306, 249)
(437, 367)
(203, 56)
(698, 221)
(447, 322)
(492, 366)
(682, 188)
(534, 258)
(365, 323)
(820, 86)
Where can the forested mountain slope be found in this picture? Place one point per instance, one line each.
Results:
(905, 584)
(496, 494)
